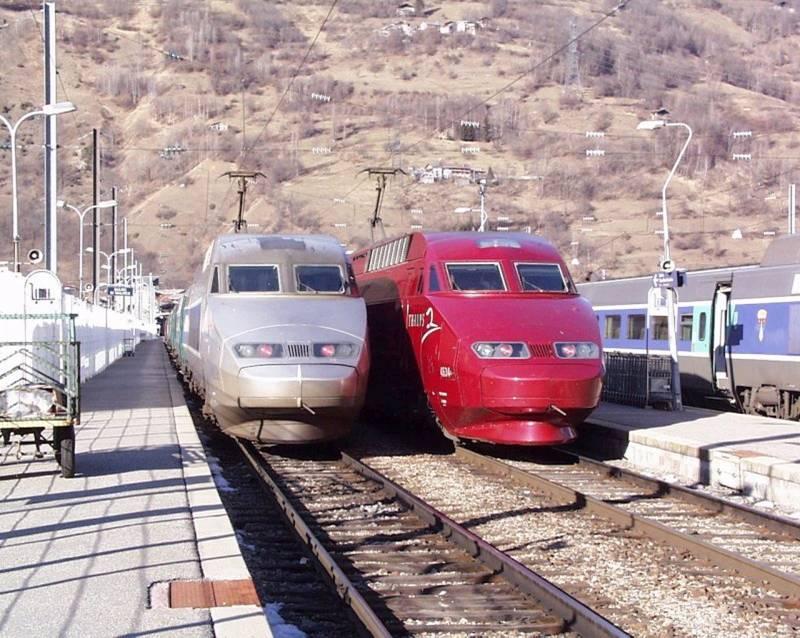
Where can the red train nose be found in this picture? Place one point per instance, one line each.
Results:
(542, 387)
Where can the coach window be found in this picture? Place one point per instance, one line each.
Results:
(660, 329)
(215, 280)
(686, 327)
(613, 323)
(253, 279)
(433, 280)
(636, 327)
(702, 327)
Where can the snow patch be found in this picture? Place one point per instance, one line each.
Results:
(280, 629)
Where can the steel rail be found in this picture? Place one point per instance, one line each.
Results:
(756, 571)
(770, 520)
(341, 584)
(577, 616)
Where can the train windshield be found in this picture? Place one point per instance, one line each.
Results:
(319, 279)
(542, 278)
(253, 279)
(472, 277)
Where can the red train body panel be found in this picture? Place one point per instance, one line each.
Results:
(488, 328)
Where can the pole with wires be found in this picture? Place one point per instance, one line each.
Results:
(381, 175)
(240, 223)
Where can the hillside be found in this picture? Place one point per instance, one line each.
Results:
(184, 90)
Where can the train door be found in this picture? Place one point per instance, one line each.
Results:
(720, 362)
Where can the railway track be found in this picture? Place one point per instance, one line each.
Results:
(758, 545)
(652, 559)
(283, 571)
(403, 567)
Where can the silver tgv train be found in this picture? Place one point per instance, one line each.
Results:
(274, 338)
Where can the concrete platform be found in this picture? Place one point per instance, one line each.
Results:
(93, 555)
(756, 455)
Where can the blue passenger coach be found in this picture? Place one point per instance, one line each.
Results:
(738, 330)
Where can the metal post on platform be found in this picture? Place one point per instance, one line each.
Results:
(50, 141)
(114, 237)
(96, 256)
(792, 209)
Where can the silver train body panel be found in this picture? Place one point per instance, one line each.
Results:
(299, 396)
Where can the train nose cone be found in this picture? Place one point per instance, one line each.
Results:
(303, 385)
(515, 389)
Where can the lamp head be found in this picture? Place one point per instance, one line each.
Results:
(89, 250)
(109, 203)
(61, 203)
(58, 108)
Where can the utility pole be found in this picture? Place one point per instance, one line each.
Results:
(50, 142)
(244, 120)
(572, 78)
(113, 264)
(95, 245)
(381, 175)
(792, 209)
(484, 216)
(240, 223)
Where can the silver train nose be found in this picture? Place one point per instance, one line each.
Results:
(299, 385)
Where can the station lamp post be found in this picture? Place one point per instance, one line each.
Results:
(110, 203)
(668, 265)
(48, 109)
(107, 265)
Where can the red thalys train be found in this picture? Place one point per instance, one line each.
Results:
(484, 330)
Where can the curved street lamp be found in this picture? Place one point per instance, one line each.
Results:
(668, 265)
(48, 109)
(109, 203)
(109, 257)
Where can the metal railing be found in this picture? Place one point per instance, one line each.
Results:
(39, 377)
(636, 379)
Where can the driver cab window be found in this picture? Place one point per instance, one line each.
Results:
(215, 280)
(475, 277)
(253, 279)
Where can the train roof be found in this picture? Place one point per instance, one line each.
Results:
(783, 251)
(276, 249)
(455, 245)
(468, 245)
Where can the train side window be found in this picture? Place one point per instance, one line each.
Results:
(686, 327)
(636, 327)
(660, 329)
(215, 280)
(702, 327)
(613, 323)
(433, 280)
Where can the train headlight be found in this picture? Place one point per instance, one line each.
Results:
(577, 350)
(259, 350)
(335, 350)
(500, 350)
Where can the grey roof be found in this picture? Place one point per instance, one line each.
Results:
(783, 251)
(277, 249)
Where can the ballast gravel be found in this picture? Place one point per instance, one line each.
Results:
(646, 588)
